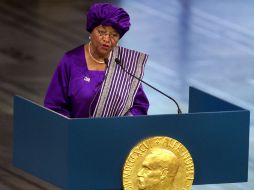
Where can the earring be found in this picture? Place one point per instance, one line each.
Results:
(89, 37)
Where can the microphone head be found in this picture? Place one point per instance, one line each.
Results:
(117, 60)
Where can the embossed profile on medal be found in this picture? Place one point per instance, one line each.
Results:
(158, 163)
(158, 170)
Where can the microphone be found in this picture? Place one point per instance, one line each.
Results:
(98, 89)
(118, 62)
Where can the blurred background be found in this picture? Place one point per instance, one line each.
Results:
(208, 44)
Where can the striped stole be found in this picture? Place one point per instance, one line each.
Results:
(119, 88)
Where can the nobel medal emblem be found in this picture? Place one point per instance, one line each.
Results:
(158, 163)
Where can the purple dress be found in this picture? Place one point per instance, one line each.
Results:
(74, 90)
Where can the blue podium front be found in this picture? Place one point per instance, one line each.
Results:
(79, 154)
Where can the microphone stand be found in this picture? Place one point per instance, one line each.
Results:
(118, 62)
(97, 91)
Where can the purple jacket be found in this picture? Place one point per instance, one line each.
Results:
(74, 90)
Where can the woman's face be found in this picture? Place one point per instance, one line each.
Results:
(103, 40)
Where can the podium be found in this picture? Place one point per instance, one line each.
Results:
(89, 154)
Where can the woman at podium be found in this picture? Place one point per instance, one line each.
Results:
(93, 79)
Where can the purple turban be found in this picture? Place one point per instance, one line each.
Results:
(108, 15)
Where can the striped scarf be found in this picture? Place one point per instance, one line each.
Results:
(119, 88)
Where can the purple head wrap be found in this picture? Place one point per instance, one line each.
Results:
(108, 15)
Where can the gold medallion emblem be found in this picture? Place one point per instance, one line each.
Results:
(158, 163)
